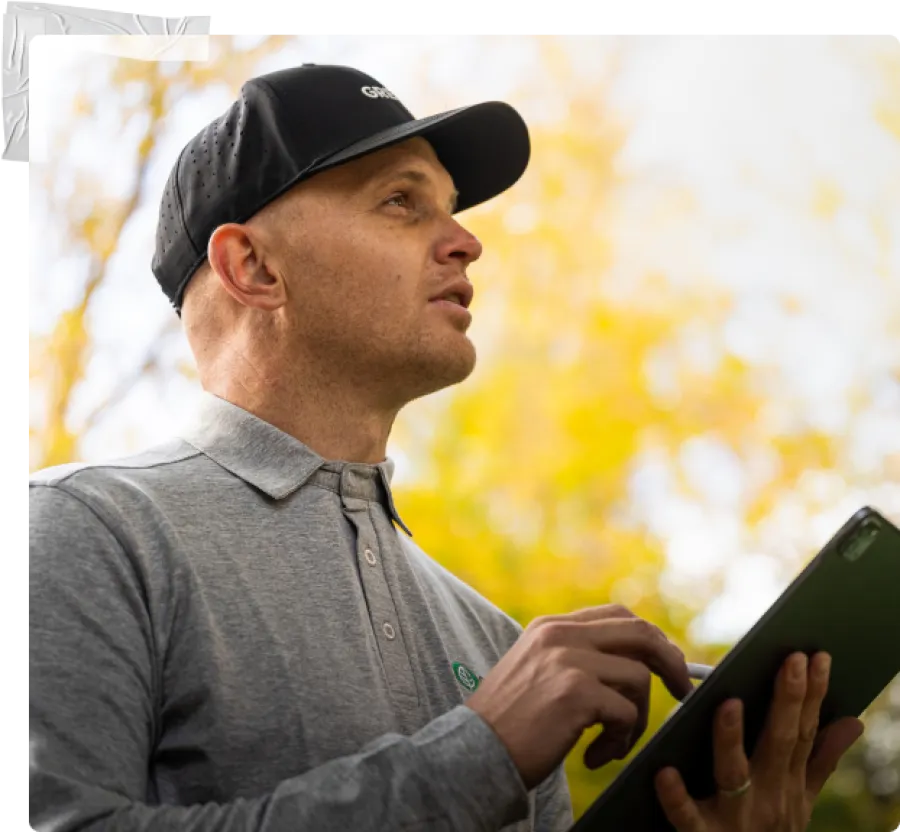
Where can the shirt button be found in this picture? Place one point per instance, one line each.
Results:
(370, 557)
(388, 630)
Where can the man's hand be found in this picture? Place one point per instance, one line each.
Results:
(785, 775)
(568, 672)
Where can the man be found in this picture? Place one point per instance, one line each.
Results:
(228, 632)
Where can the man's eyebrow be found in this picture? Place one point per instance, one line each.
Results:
(419, 178)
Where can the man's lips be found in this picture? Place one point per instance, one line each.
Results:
(452, 308)
(459, 290)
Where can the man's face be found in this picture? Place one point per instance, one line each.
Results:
(364, 248)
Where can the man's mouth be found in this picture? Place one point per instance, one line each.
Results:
(454, 298)
(452, 306)
(459, 292)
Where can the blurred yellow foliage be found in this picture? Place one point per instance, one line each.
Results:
(827, 199)
(887, 110)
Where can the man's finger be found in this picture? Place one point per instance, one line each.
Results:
(631, 678)
(816, 688)
(599, 613)
(602, 612)
(730, 763)
(618, 716)
(610, 744)
(637, 639)
(834, 740)
(607, 612)
(772, 758)
(679, 808)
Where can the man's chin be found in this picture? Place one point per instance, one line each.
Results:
(462, 363)
(447, 370)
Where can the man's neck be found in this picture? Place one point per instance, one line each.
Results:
(329, 421)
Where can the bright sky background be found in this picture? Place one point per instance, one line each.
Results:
(754, 129)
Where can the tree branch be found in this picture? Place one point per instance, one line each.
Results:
(150, 364)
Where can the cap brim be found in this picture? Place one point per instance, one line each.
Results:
(485, 148)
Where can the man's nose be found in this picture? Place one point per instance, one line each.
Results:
(459, 244)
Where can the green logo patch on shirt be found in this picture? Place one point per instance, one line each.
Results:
(469, 679)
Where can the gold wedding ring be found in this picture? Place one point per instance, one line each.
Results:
(735, 792)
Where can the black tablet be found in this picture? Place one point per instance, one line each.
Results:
(845, 602)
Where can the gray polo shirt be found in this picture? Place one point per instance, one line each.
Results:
(228, 632)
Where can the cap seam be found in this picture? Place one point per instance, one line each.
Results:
(273, 93)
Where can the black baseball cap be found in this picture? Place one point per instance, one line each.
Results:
(293, 123)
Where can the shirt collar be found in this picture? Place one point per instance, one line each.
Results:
(273, 461)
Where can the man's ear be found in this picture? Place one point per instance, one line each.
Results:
(235, 255)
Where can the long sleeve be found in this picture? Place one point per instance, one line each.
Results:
(95, 680)
(554, 803)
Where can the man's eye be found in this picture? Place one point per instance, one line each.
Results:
(401, 197)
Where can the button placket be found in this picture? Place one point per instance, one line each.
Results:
(383, 614)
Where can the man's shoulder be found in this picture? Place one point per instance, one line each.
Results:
(92, 512)
(135, 466)
(141, 473)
